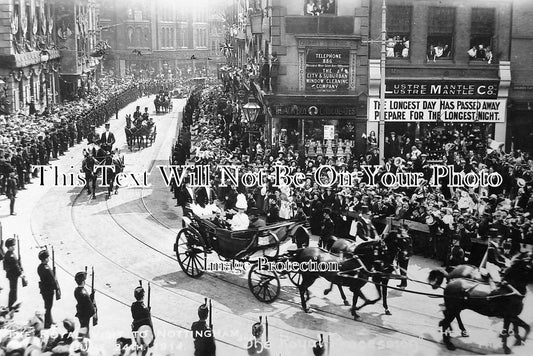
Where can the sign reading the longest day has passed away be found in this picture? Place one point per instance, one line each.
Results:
(448, 110)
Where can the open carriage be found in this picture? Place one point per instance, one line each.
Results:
(201, 236)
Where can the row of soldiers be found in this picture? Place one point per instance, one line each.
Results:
(55, 142)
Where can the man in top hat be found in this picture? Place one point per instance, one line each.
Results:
(107, 140)
(240, 221)
(85, 309)
(13, 270)
(137, 114)
(142, 321)
(47, 285)
(204, 341)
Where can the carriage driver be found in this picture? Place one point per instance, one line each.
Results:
(240, 221)
(107, 140)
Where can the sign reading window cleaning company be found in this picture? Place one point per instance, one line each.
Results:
(327, 69)
(448, 110)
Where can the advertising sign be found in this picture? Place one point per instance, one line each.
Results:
(329, 132)
(447, 110)
(441, 89)
(327, 69)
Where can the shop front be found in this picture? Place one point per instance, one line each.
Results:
(319, 125)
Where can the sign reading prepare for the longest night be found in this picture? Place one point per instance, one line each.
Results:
(327, 69)
(448, 110)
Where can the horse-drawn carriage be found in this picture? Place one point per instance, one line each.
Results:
(93, 159)
(201, 236)
(163, 102)
(140, 134)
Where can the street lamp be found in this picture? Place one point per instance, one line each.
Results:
(251, 110)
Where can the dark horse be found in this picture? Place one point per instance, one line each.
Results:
(396, 243)
(437, 276)
(111, 173)
(505, 301)
(353, 271)
(129, 130)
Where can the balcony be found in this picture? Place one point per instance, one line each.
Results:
(324, 25)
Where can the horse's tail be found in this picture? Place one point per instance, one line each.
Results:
(436, 277)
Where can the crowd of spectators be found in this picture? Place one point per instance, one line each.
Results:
(215, 133)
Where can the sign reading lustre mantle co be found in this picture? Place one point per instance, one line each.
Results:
(327, 69)
(441, 89)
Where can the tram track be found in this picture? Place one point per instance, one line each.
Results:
(76, 203)
(292, 302)
(288, 301)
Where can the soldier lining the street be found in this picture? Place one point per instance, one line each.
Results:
(84, 308)
(141, 317)
(13, 270)
(204, 341)
(47, 286)
(11, 192)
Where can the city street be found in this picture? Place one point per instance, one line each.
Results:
(130, 237)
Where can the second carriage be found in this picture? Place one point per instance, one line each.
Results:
(200, 237)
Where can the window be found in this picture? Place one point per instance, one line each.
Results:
(481, 34)
(441, 24)
(181, 37)
(320, 7)
(398, 31)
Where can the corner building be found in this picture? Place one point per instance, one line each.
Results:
(319, 85)
(447, 67)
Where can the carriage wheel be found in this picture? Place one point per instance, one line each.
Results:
(263, 284)
(295, 278)
(190, 252)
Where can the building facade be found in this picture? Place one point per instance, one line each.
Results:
(447, 64)
(29, 54)
(318, 56)
(520, 112)
(76, 35)
(156, 37)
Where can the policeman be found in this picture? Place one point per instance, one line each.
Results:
(47, 285)
(84, 308)
(404, 253)
(13, 270)
(141, 317)
(327, 230)
(204, 341)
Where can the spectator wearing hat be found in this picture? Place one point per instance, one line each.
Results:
(204, 341)
(85, 309)
(48, 286)
(240, 221)
(13, 270)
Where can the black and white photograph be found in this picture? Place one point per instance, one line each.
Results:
(266, 177)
